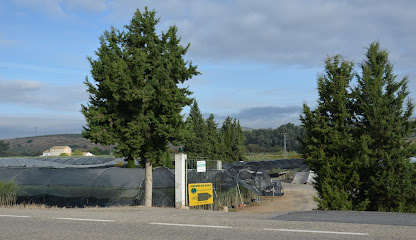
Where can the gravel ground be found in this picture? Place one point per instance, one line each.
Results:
(298, 197)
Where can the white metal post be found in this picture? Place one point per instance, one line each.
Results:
(180, 185)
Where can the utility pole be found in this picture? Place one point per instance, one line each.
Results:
(284, 146)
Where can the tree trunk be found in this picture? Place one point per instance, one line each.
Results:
(148, 183)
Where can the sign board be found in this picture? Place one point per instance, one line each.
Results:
(201, 166)
(200, 194)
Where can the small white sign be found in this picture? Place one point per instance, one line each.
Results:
(201, 166)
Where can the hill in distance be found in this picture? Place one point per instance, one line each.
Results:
(36, 145)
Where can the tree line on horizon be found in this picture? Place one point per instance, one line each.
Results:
(272, 140)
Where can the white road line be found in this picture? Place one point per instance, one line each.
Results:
(86, 219)
(189, 225)
(312, 231)
(16, 216)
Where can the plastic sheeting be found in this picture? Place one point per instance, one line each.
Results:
(267, 165)
(251, 175)
(92, 181)
(90, 187)
(60, 162)
(304, 176)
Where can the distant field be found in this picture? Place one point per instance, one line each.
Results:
(36, 145)
(270, 156)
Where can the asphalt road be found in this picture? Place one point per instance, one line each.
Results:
(165, 223)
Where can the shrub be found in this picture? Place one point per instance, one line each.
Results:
(8, 193)
(77, 153)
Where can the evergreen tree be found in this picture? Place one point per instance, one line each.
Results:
(239, 138)
(389, 177)
(232, 141)
(196, 144)
(135, 102)
(355, 140)
(329, 143)
(226, 140)
(213, 137)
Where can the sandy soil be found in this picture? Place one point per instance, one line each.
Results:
(298, 197)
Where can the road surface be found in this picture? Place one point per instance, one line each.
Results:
(167, 223)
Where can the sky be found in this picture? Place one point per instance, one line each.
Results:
(259, 59)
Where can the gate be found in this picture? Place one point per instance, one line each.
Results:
(210, 173)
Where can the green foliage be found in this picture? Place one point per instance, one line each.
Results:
(165, 159)
(29, 141)
(390, 178)
(3, 148)
(8, 192)
(213, 139)
(63, 155)
(135, 102)
(98, 151)
(355, 141)
(77, 153)
(197, 138)
(232, 141)
(205, 140)
(271, 140)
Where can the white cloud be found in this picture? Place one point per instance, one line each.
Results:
(38, 68)
(43, 96)
(284, 32)
(12, 126)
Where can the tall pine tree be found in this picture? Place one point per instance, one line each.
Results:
(389, 177)
(135, 101)
(232, 141)
(214, 139)
(329, 143)
(196, 144)
(355, 140)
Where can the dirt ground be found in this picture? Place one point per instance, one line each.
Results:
(297, 197)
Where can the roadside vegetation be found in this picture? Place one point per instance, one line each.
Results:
(8, 193)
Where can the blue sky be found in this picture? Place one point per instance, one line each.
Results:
(259, 59)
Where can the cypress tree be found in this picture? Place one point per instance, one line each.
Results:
(232, 140)
(196, 143)
(389, 177)
(329, 144)
(226, 137)
(213, 137)
(239, 141)
(135, 101)
(355, 140)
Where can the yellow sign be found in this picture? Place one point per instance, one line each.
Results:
(200, 194)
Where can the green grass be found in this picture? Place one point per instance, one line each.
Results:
(271, 156)
(8, 192)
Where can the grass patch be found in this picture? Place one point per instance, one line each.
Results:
(8, 193)
(271, 156)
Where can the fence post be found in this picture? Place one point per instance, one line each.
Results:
(180, 185)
